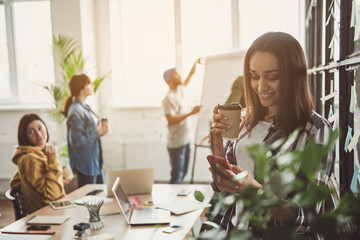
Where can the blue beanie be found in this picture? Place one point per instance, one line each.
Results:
(168, 73)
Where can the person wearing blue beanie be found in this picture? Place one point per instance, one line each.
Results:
(176, 113)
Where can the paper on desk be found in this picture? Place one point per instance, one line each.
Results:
(48, 220)
(182, 206)
(24, 236)
(81, 201)
(102, 236)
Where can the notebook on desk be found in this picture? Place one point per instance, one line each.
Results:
(134, 181)
(48, 220)
(138, 216)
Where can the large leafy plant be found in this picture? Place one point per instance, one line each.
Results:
(289, 178)
(69, 61)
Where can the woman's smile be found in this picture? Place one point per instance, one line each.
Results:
(265, 96)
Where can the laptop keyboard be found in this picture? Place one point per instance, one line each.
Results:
(145, 215)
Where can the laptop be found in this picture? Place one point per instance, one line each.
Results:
(138, 216)
(134, 181)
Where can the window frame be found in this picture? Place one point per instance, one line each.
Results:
(10, 36)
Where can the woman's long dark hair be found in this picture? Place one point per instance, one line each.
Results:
(22, 128)
(295, 103)
(76, 84)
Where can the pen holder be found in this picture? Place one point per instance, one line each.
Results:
(93, 205)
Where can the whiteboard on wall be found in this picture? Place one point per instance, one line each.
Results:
(220, 72)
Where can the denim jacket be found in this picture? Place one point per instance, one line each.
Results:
(84, 145)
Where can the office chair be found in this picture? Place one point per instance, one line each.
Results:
(16, 198)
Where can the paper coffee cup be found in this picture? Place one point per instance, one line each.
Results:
(67, 172)
(104, 121)
(233, 113)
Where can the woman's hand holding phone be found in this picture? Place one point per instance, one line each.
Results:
(230, 178)
(214, 160)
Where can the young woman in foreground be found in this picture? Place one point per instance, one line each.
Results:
(278, 101)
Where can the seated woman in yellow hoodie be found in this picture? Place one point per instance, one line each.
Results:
(39, 175)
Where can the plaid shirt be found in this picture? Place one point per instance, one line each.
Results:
(319, 131)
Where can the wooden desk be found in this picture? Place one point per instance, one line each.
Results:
(115, 224)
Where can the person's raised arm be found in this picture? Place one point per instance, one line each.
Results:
(191, 73)
(175, 119)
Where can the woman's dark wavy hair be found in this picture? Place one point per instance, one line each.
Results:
(76, 84)
(295, 103)
(22, 128)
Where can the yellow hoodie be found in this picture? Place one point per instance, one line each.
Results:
(38, 178)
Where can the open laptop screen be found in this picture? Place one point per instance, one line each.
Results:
(121, 197)
(134, 181)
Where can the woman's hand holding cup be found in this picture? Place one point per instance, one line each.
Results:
(218, 125)
(102, 129)
(231, 117)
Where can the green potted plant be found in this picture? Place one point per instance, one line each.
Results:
(69, 61)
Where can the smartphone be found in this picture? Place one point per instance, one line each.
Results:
(38, 228)
(184, 192)
(224, 162)
(94, 192)
(172, 228)
(213, 160)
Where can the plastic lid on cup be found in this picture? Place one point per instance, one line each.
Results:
(231, 106)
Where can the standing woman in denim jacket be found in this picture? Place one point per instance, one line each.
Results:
(83, 133)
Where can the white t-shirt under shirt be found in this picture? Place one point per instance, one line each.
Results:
(256, 136)
(243, 158)
(174, 104)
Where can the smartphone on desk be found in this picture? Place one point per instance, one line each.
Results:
(38, 228)
(213, 160)
(183, 192)
(94, 192)
(172, 228)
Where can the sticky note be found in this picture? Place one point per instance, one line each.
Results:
(338, 3)
(332, 86)
(354, 179)
(331, 112)
(353, 14)
(354, 139)
(333, 117)
(332, 46)
(328, 20)
(329, 96)
(352, 99)
(348, 138)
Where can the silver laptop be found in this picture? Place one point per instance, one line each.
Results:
(138, 216)
(134, 181)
